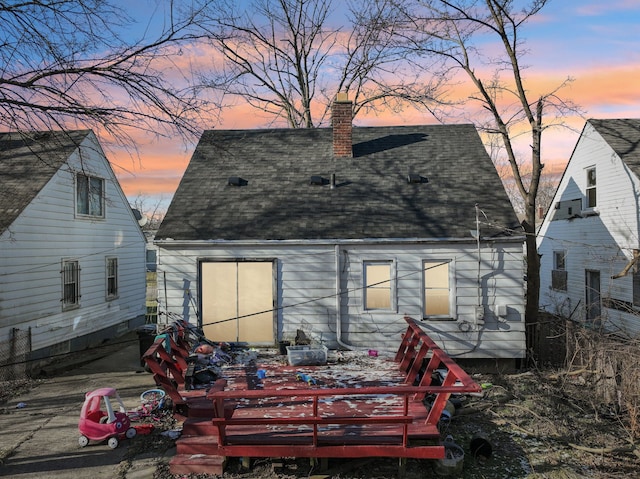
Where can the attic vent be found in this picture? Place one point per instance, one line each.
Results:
(317, 180)
(413, 178)
(237, 181)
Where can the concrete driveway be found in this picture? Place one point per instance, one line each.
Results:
(41, 439)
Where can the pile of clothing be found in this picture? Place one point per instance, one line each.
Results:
(205, 364)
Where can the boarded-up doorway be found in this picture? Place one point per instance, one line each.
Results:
(237, 301)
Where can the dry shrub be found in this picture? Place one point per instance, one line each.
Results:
(613, 365)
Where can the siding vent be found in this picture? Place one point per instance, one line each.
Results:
(413, 178)
(237, 181)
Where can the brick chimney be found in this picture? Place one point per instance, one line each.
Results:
(341, 120)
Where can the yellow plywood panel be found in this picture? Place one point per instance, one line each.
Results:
(255, 299)
(237, 301)
(219, 290)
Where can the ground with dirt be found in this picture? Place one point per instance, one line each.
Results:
(533, 425)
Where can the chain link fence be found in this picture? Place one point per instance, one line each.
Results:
(14, 354)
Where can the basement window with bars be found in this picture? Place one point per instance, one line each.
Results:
(70, 284)
(112, 278)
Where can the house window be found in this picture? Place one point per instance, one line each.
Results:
(636, 288)
(559, 271)
(112, 278)
(70, 284)
(378, 285)
(591, 188)
(437, 289)
(89, 195)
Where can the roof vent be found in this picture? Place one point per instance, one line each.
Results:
(317, 180)
(237, 181)
(413, 178)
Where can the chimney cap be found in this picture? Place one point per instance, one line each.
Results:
(342, 96)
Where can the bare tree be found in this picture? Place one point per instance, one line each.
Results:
(77, 63)
(287, 58)
(456, 31)
(546, 189)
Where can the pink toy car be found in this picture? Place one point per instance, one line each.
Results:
(97, 424)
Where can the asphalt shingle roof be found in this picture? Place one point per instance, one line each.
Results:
(27, 162)
(371, 199)
(623, 136)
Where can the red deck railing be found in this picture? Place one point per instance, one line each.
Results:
(405, 427)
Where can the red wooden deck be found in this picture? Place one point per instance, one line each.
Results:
(391, 410)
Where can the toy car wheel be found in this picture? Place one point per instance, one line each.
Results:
(113, 442)
(83, 441)
(131, 433)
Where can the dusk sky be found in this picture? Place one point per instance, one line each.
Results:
(596, 43)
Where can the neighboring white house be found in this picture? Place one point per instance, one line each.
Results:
(72, 255)
(340, 233)
(589, 239)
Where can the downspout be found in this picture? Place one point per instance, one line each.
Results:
(339, 302)
(478, 293)
(479, 312)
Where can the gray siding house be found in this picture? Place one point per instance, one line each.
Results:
(72, 255)
(588, 241)
(340, 232)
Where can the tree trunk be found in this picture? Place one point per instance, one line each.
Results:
(533, 278)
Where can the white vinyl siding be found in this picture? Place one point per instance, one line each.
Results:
(320, 288)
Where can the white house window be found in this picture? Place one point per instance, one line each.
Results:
(112, 278)
(559, 271)
(437, 289)
(636, 288)
(591, 188)
(89, 195)
(378, 291)
(70, 284)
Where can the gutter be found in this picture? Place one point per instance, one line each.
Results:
(334, 242)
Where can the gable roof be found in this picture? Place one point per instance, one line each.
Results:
(623, 136)
(371, 197)
(27, 162)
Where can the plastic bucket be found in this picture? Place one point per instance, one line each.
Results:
(453, 461)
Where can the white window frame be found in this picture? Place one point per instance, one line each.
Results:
(450, 288)
(111, 270)
(90, 201)
(70, 277)
(559, 273)
(391, 286)
(591, 188)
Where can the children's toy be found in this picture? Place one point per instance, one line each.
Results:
(97, 424)
(306, 378)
